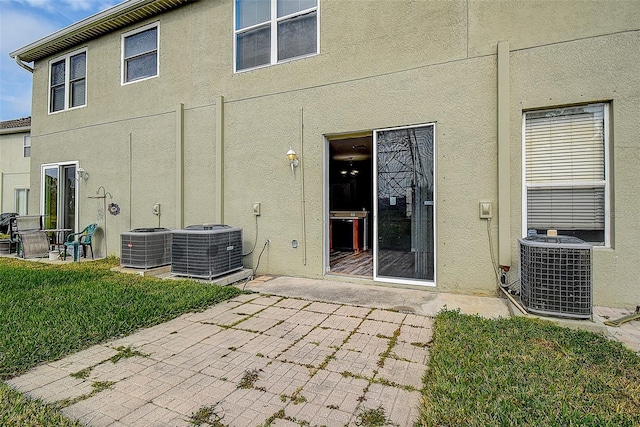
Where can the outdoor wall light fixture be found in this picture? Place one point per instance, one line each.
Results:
(83, 174)
(293, 158)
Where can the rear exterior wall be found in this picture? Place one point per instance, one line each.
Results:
(380, 64)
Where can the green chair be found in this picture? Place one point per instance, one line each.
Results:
(84, 240)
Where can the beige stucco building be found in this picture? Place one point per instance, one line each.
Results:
(411, 112)
(15, 159)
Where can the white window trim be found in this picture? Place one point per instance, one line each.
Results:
(58, 165)
(67, 84)
(156, 25)
(273, 23)
(25, 145)
(15, 200)
(607, 174)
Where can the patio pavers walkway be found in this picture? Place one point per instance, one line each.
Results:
(254, 360)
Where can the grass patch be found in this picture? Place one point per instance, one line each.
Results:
(17, 409)
(521, 371)
(49, 311)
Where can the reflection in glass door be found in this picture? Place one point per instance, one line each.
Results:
(50, 195)
(59, 196)
(404, 205)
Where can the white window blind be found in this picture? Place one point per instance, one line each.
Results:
(565, 145)
(578, 208)
(565, 169)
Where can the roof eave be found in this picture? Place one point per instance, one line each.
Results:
(22, 129)
(118, 16)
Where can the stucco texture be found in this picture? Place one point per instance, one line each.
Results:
(388, 64)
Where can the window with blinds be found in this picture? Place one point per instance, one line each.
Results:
(565, 171)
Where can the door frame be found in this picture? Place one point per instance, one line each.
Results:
(374, 214)
(399, 280)
(60, 165)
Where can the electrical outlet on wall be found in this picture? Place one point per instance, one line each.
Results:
(486, 210)
(256, 208)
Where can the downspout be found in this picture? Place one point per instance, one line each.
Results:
(219, 209)
(304, 207)
(504, 159)
(22, 64)
(180, 166)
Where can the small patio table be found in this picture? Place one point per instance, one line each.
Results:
(58, 236)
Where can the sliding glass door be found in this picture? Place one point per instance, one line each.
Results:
(404, 205)
(59, 196)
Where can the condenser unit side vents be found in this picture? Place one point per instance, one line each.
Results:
(206, 252)
(145, 248)
(556, 278)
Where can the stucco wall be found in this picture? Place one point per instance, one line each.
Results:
(388, 64)
(591, 70)
(14, 168)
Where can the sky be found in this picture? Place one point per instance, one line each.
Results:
(23, 22)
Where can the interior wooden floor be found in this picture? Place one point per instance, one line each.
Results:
(392, 264)
(355, 264)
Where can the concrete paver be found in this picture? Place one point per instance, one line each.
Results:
(628, 333)
(250, 360)
(266, 358)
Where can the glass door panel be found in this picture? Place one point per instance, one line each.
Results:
(68, 197)
(404, 204)
(50, 193)
(59, 196)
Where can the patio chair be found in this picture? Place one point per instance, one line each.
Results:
(23, 225)
(6, 219)
(33, 244)
(84, 240)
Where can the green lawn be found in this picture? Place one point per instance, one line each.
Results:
(524, 372)
(510, 372)
(49, 311)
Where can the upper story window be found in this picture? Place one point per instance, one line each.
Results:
(566, 172)
(68, 82)
(272, 31)
(26, 146)
(140, 54)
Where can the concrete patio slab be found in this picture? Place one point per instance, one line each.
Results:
(300, 352)
(423, 301)
(253, 360)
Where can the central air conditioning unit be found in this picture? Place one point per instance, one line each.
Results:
(556, 276)
(145, 248)
(206, 251)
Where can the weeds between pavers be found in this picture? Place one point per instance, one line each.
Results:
(249, 378)
(97, 387)
(373, 418)
(207, 415)
(122, 353)
(296, 398)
